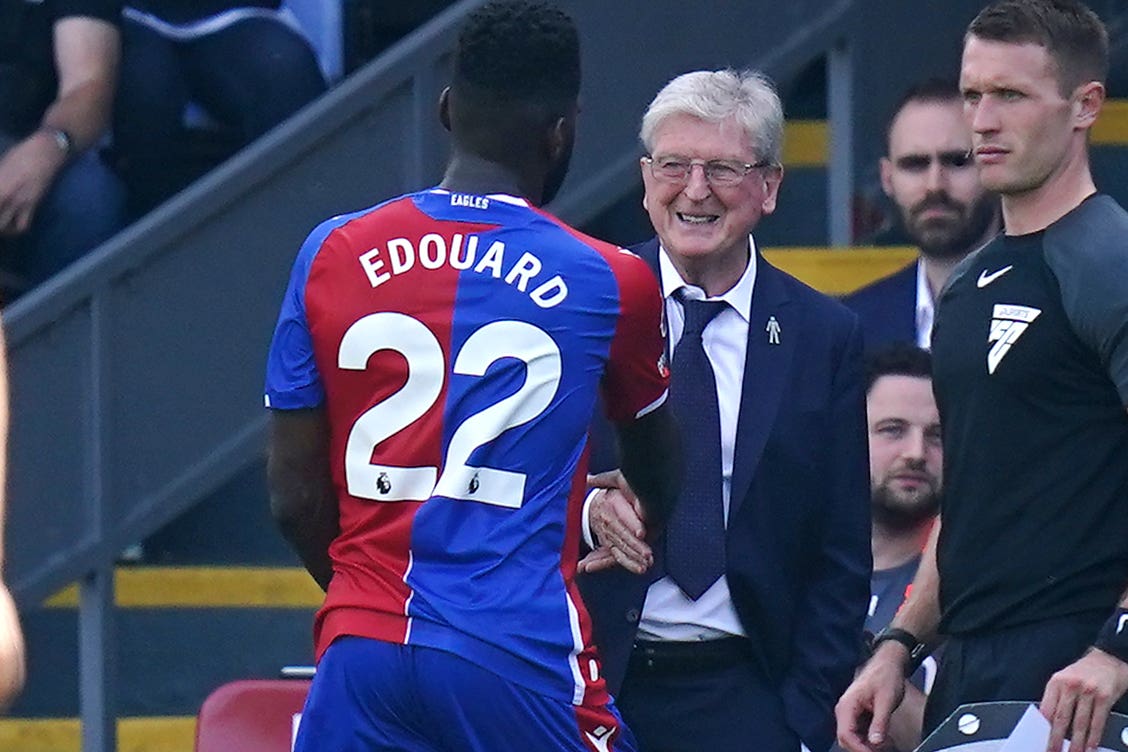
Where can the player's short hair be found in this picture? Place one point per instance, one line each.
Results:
(713, 96)
(898, 359)
(1072, 34)
(518, 51)
(929, 91)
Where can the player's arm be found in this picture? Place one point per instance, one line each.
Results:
(617, 520)
(1078, 699)
(12, 661)
(302, 500)
(1094, 293)
(907, 720)
(651, 462)
(634, 397)
(864, 710)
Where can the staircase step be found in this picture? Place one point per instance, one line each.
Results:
(167, 659)
(205, 587)
(806, 143)
(1111, 128)
(180, 632)
(839, 271)
(149, 734)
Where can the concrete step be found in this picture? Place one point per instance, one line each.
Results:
(181, 632)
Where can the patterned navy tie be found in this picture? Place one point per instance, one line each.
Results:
(695, 534)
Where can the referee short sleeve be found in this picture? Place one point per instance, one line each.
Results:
(1088, 253)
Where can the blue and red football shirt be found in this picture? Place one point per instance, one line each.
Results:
(457, 343)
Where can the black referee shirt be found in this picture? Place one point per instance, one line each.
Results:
(1030, 354)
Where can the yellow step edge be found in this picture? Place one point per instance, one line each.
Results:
(205, 587)
(148, 734)
(1111, 128)
(840, 271)
(806, 143)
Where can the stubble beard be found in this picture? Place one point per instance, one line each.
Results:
(952, 238)
(901, 512)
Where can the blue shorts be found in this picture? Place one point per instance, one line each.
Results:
(370, 695)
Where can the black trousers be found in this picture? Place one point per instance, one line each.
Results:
(687, 697)
(1008, 664)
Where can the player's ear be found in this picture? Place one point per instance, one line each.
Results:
(885, 167)
(772, 177)
(561, 137)
(444, 108)
(1087, 102)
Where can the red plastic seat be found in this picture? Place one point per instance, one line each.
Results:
(251, 715)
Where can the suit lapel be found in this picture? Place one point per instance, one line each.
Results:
(906, 325)
(766, 369)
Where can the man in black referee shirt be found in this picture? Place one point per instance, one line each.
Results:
(1027, 573)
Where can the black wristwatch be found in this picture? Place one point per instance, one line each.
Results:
(918, 651)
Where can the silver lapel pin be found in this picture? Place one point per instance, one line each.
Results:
(773, 330)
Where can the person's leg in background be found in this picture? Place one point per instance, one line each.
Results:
(149, 133)
(253, 74)
(84, 208)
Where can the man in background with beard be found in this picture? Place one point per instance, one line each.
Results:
(930, 177)
(906, 460)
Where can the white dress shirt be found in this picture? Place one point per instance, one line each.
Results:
(668, 614)
(925, 309)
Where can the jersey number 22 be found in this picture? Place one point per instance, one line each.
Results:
(426, 373)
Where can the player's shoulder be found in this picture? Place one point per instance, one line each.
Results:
(627, 268)
(391, 210)
(1086, 251)
(338, 228)
(966, 264)
(1094, 235)
(609, 251)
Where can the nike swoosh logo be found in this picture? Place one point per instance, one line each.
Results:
(1123, 621)
(986, 279)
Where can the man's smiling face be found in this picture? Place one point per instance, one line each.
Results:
(697, 222)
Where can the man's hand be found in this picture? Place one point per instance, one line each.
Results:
(12, 661)
(618, 524)
(26, 172)
(1079, 698)
(864, 709)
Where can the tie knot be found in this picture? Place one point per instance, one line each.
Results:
(698, 314)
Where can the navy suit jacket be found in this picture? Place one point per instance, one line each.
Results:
(798, 533)
(887, 308)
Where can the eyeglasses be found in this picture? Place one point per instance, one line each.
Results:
(921, 162)
(676, 169)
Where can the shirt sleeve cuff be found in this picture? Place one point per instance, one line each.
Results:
(585, 520)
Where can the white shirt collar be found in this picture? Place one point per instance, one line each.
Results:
(925, 308)
(739, 297)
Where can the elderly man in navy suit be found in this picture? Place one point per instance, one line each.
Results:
(738, 625)
(931, 179)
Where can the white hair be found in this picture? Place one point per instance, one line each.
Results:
(749, 97)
